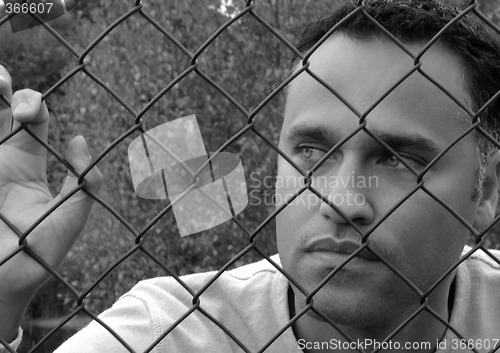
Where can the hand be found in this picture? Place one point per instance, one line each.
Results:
(25, 197)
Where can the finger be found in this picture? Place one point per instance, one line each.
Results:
(5, 111)
(68, 220)
(27, 107)
(77, 155)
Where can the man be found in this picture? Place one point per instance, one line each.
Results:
(370, 252)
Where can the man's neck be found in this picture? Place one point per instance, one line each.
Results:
(419, 328)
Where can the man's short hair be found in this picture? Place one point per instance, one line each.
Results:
(417, 21)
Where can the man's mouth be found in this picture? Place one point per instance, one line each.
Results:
(340, 246)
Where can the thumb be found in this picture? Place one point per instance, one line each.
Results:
(68, 220)
(77, 155)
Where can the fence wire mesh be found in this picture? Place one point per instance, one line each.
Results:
(136, 126)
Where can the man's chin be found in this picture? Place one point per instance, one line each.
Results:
(347, 314)
(343, 303)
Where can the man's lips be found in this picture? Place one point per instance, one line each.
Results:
(343, 246)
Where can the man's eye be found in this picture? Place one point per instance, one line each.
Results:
(310, 153)
(393, 162)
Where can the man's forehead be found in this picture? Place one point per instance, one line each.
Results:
(342, 59)
(377, 76)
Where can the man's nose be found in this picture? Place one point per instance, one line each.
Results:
(347, 189)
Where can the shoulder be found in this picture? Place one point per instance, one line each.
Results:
(249, 301)
(479, 278)
(477, 303)
(482, 262)
(254, 276)
(481, 270)
(260, 268)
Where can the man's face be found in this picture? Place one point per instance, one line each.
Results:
(421, 238)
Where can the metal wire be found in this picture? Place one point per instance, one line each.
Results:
(81, 65)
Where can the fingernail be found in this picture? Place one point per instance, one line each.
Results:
(84, 146)
(22, 108)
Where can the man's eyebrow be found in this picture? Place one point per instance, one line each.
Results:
(412, 141)
(316, 132)
(396, 142)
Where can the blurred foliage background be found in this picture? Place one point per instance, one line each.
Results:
(137, 61)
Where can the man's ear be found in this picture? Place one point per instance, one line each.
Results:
(487, 204)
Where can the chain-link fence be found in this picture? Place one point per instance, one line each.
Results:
(308, 185)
